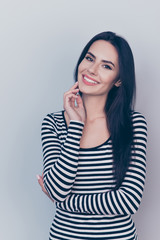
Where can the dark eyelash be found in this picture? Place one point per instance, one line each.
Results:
(108, 67)
(89, 58)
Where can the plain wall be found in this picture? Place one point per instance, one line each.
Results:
(40, 42)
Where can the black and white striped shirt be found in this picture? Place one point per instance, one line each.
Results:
(81, 181)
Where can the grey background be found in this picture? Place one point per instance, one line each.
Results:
(40, 42)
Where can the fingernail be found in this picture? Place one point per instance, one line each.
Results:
(38, 177)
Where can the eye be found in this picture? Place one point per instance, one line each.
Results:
(107, 67)
(89, 58)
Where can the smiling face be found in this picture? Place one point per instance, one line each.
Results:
(99, 70)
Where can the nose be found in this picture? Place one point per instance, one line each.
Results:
(93, 68)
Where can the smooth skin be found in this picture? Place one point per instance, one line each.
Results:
(101, 66)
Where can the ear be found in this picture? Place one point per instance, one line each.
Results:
(118, 83)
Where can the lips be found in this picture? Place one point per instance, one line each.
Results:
(89, 81)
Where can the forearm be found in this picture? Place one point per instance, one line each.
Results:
(119, 202)
(60, 162)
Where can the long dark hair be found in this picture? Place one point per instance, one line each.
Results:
(119, 104)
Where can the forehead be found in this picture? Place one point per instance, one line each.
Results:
(104, 50)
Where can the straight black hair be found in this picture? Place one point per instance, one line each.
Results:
(120, 102)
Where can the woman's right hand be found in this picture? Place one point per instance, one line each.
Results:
(74, 112)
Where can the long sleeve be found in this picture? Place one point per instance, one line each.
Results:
(60, 161)
(127, 198)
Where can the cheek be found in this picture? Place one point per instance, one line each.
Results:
(81, 67)
(79, 76)
(107, 78)
(108, 81)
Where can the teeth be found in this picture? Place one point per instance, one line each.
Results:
(89, 80)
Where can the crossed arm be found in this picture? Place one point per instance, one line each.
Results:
(126, 199)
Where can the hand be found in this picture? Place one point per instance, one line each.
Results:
(74, 112)
(40, 181)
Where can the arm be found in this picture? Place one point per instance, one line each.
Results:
(127, 198)
(60, 162)
(40, 181)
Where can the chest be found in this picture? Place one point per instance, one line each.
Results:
(94, 134)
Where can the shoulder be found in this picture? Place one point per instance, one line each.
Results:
(54, 118)
(138, 117)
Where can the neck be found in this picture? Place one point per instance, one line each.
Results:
(94, 107)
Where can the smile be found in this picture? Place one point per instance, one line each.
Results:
(89, 81)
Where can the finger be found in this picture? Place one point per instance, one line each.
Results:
(70, 97)
(43, 188)
(40, 180)
(74, 91)
(73, 102)
(74, 86)
(79, 101)
(69, 103)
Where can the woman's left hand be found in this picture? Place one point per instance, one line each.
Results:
(40, 181)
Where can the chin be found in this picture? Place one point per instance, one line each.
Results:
(85, 89)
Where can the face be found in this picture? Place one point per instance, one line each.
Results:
(99, 70)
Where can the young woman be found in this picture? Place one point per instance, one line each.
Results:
(94, 150)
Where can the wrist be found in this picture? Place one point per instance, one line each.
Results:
(76, 120)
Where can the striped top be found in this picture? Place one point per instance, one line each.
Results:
(81, 181)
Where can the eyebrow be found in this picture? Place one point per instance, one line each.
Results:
(105, 61)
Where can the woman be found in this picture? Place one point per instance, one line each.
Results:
(94, 150)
